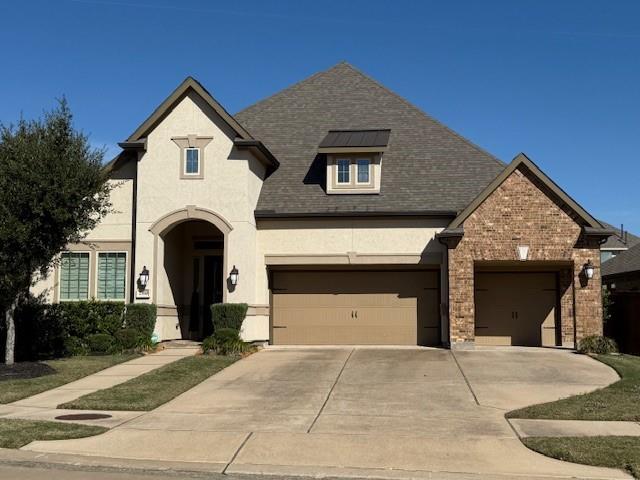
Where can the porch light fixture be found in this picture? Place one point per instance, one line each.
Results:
(234, 275)
(523, 252)
(588, 270)
(143, 278)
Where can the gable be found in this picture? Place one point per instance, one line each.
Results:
(521, 164)
(187, 87)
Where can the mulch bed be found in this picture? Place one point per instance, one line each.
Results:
(24, 370)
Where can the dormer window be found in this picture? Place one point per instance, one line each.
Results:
(344, 171)
(192, 161)
(354, 160)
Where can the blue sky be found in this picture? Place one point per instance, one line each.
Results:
(558, 79)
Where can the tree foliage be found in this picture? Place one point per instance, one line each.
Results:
(53, 190)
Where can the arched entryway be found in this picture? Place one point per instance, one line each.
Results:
(190, 261)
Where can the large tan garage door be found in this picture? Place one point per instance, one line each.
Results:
(516, 309)
(349, 307)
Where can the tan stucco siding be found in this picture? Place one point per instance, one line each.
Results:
(116, 225)
(229, 188)
(409, 240)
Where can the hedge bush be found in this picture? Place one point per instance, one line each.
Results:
(142, 318)
(46, 331)
(101, 343)
(597, 344)
(226, 341)
(128, 338)
(228, 315)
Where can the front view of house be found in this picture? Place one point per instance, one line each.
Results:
(341, 214)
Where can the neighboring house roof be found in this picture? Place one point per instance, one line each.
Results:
(590, 224)
(427, 167)
(616, 241)
(625, 262)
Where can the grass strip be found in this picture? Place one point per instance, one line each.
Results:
(152, 389)
(619, 401)
(65, 370)
(613, 452)
(16, 433)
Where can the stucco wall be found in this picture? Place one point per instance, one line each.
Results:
(521, 212)
(230, 188)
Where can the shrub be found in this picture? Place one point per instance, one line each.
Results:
(100, 343)
(226, 341)
(228, 315)
(74, 346)
(142, 318)
(128, 338)
(597, 344)
(85, 318)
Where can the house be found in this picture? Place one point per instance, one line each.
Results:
(621, 277)
(341, 214)
(617, 243)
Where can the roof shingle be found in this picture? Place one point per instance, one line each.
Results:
(427, 166)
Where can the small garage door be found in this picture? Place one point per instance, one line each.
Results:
(355, 307)
(516, 309)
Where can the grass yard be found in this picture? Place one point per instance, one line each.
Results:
(62, 371)
(618, 401)
(614, 452)
(15, 433)
(152, 389)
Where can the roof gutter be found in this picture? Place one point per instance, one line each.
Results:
(424, 213)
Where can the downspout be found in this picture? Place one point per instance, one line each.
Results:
(134, 215)
(444, 312)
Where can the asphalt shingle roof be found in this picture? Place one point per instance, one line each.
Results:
(615, 241)
(427, 167)
(624, 262)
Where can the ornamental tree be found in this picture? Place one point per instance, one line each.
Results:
(53, 190)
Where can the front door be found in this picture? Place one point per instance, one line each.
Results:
(212, 290)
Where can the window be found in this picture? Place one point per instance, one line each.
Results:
(74, 276)
(344, 166)
(112, 275)
(363, 165)
(192, 161)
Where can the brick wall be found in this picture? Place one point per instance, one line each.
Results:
(521, 211)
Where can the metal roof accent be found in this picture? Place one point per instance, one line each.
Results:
(356, 138)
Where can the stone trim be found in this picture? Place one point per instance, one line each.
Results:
(192, 141)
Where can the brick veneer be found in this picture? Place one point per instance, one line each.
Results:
(522, 211)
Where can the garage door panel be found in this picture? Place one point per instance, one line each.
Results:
(516, 309)
(365, 307)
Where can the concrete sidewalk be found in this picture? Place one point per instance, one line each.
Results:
(573, 428)
(101, 380)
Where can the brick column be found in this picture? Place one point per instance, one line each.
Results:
(461, 298)
(588, 293)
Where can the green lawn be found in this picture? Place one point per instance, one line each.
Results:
(152, 389)
(618, 401)
(15, 433)
(66, 370)
(614, 452)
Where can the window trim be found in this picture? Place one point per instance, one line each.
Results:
(349, 163)
(89, 272)
(126, 276)
(184, 163)
(357, 166)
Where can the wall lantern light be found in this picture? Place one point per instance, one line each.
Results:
(143, 278)
(234, 275)
(523, 252)
(588, 270)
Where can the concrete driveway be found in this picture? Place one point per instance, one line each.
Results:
(359, 412)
